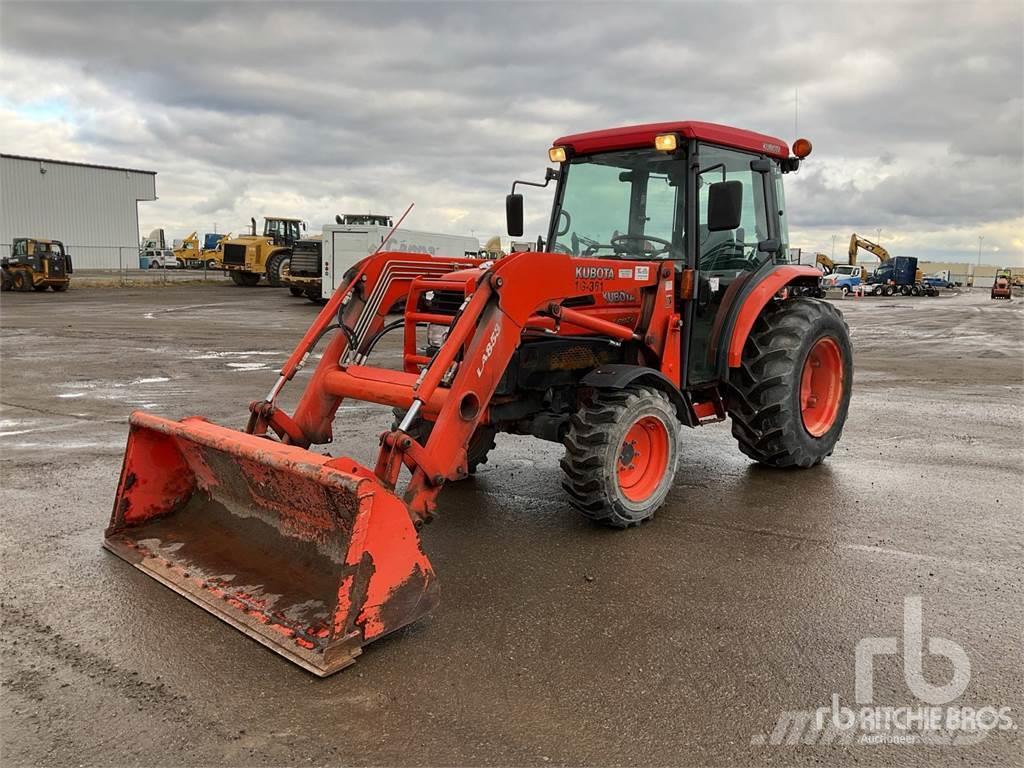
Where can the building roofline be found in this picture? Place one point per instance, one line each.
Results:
(71, 162)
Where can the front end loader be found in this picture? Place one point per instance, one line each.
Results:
(248, 258)
(662, 299)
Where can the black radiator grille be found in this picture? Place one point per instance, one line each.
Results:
(234, 254)
(307, 258)
(442, 302)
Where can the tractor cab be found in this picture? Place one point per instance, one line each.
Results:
(282, 231)
(705, 199)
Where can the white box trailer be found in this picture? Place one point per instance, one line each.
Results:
(344, 245)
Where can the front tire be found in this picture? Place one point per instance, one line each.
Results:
(621, 454)
(480, 444)
(246, 279)
(789, 399)
(22, 280)
(276, 265)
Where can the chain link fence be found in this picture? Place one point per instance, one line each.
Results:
(125, 264)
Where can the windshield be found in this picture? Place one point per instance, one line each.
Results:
(622, 205)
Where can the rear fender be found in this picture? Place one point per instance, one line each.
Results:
(747, 306)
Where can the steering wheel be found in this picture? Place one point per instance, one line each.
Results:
(616, 243)
(568, 222)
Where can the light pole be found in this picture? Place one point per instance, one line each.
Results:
(833, 247)
(878, 235)
(980, 238)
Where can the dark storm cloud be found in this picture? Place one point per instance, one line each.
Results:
(915, 109)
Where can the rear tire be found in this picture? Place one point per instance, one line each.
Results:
(211, 264)
(40, 288)
(294, 290)
(60, 287)
(621, 454)
(6, 281)
(275, 264)
(789, 399)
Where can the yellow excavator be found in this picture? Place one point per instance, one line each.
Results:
(857, 242)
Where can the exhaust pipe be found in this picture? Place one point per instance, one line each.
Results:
(253, 220)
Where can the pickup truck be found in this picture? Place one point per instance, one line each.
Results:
(937, 282)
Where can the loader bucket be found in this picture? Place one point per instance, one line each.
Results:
(305, 553)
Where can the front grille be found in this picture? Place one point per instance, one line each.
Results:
(307, 259)
(442, 303)
(234, 254)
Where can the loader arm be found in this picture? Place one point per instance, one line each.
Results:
(456, 386)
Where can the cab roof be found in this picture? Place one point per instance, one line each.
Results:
(636, 136)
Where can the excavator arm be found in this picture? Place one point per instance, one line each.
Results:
(858, 242)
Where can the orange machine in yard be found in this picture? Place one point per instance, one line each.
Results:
(1001, 287)
(662, 298)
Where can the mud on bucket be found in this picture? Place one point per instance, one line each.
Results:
(307, 554)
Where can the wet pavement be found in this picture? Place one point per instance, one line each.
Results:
(686, 641)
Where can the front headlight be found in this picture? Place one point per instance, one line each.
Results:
(436, 334)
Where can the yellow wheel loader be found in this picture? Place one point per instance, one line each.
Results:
(35, 265)
(250, 257)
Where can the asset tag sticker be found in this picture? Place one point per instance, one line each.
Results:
(713, 282)
(625, 272)
(668, 285)
(643, 273)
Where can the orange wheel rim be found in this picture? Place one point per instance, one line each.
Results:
(821, 386)
(643, 458)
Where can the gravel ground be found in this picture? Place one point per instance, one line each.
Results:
(682, 642)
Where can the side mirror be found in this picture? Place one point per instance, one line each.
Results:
(514, 214)
(725, 205)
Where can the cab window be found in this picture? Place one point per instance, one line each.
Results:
(626, 205)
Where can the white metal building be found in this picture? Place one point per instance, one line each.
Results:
(92, 209)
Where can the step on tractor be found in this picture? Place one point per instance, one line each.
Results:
(661, 298)
(249, 257)
(35, 265)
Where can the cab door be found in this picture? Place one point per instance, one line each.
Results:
(725, 261)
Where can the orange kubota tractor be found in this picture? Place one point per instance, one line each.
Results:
(662, 299)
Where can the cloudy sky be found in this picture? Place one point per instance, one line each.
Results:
(916, 110)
